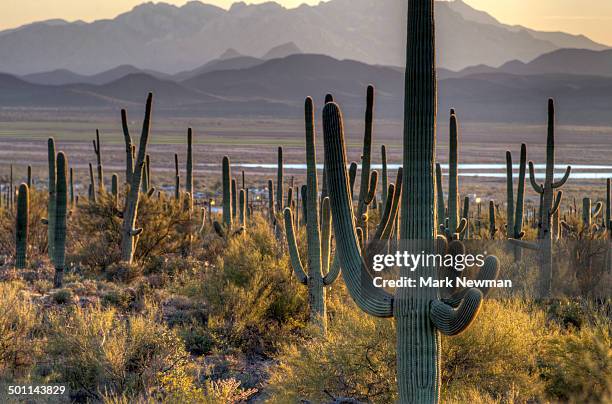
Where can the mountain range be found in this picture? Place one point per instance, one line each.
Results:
(169, 39)
(277, 87)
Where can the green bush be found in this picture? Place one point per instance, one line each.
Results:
(253, 299)
(19, 324)
(356, 360)
(97, 350)
(578, 364)
(497, 355)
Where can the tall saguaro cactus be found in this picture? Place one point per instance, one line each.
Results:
(419, 313)
(279, 181)
(130, 213)
(454, 226)
(514, 212)
(368, 182)
(22, 226)
(549, 204)
(318, 275)
(51, 200)
(189, 168)
(227, 193)
(100, 167)
(61, 215)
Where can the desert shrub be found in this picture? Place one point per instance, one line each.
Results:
(494, 360)
(62, 296)
(163, 220)
(356, 360)
(98, 351)
(251, 292)
(496, 355)
(577, 364)
(19, 323)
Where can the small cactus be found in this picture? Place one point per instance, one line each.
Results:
(100, 167)
(61, 214)
(51, 201)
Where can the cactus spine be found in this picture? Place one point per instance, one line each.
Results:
(52, 199)
(130, 213)
(419, 313)
(318, 235)
(61, 214)
(22, 226)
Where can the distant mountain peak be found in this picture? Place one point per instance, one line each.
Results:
(281, 51)
(230, 53)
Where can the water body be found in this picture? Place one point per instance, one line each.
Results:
(465, 170)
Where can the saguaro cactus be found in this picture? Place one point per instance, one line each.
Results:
(130, 213)
(368, 182)
(61, 211)
(189, 168)
(419, 313)
(22, 226)
(385, 175)
(92, 184)
(319, 274)
(453, 226)
(177, 178)
(52, 199)
(549, 204)
(514, 212)
(227, 193)
(279, 181)
(492, 221)
(589, 215)
(115, 190)
(100, 168)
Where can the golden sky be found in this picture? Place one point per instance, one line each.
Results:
(590, 17)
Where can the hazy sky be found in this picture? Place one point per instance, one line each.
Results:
(590, 17)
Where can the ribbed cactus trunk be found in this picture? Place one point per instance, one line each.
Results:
(492, 221)
(130, 214)
(71, 187)
(366, 160)
(271, 205)
(52, 199)
(279, 181)
(440, 207)
(61, 210)
(418, 344)
(189, 168)
(29, 182)
(100, 167)
(22, 226)
(243, 208)
(234, 199)
(177, 179)
(115, 190)
(92, 185)
(385, 174)
(453, 181)
(227, 193)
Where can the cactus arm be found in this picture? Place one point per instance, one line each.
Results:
(364, 189)
(372, 300)
(563, 180)
(352, 176)
(384, 219)
(489, 271)
(440, 196)
(453, 321)
(525, 244)
(532, 179)
(333, 273)
(598, 209)
(385, 185)
(557, 203)
(325, 235)
(372, 188)
(520, 196)
(453, 182)
(129, 153)
(463, 223)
